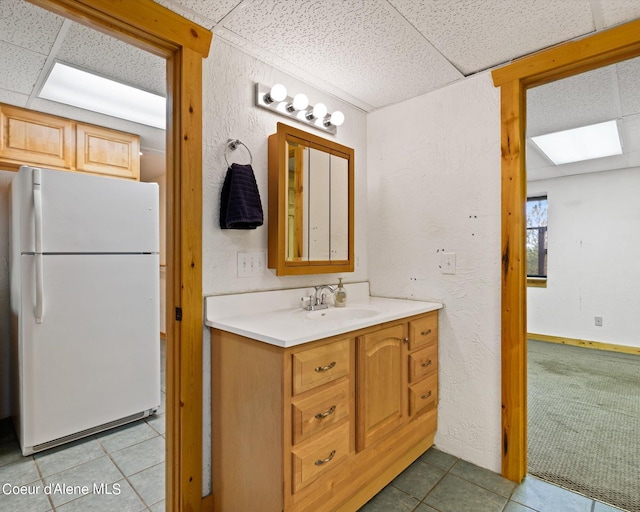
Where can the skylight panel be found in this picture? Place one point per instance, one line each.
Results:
(584, 143)
(78, 88)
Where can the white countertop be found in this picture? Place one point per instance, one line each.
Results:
(277, 318)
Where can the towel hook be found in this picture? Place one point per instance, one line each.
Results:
(233, 144)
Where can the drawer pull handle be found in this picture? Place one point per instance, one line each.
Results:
(321, 369)
(424, 397)
(322, 415)
(426, 333)
(426, 363)
(320, 462)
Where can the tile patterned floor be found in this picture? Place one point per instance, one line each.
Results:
(438, 482)
(130, 461)
(126, 464)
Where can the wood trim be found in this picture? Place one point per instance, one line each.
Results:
(514, 358)
(152, 27)
(596, 345)
(602, 49)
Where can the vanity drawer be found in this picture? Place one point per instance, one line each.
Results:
(312, 460)
(423, 395)
(319, 411)
(424, 331)
(423, 362)
(319, 365)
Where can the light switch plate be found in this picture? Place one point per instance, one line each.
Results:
(251, 264)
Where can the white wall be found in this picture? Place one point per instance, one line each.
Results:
(229, 112)
(593, 261)
(434, 187)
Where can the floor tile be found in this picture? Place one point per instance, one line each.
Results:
(149, 484)
(158, 507)
(425, 508)
(454, 494)
(539, 495)
(9, 452)
(438, 458)
(140, 456)
(483, 477)
(418, 479)
(19, 472)
(67, 456)
(158, 423)
(122, 498)
(15, 502)
(512, 506)
(603, 507)
(390, 499)
(82, 479)
(126, 435)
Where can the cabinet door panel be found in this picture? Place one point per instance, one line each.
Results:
(104, 151)
(34, 138)
(381, 383)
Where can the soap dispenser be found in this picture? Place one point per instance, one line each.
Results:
(340, 295)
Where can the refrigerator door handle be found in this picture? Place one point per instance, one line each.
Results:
(37, 207)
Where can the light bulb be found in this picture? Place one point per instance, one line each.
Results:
(277, 93)
(337, 118)
(300, 101)
(319, 110)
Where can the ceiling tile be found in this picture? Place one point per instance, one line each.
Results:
(628, 80)
(631, 134)
(478, 34)
(20, 68)
(25, 25)
(618, 11)
(579, 100)
(94, 51)
(206, 14)
(13, 98)
(361, 46)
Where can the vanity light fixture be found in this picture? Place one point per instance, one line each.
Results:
(297, 107)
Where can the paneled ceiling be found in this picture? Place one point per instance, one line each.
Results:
(370, 53)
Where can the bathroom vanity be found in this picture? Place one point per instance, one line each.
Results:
(318, 411)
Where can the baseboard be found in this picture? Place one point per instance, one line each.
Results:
(597, 345)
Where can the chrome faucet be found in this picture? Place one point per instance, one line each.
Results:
(317, 301)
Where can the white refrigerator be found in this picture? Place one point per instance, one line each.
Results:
(84, 273)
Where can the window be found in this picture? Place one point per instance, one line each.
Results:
(537, 237)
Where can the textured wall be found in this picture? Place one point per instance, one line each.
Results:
(229, 112)
(594, 249)
(434, 187)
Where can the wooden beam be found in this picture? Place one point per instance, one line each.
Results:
(514, 280)
(602, 49)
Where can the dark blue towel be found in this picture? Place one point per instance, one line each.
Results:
(240, 206)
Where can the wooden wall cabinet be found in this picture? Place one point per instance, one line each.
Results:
(42, 140)
(322, 426)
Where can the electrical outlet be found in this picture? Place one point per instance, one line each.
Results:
(598, 320)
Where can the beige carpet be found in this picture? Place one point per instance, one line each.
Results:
(584, 421)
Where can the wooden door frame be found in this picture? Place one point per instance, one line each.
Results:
(183, 44)
(601, 49)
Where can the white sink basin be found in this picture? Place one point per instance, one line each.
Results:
(346, 313)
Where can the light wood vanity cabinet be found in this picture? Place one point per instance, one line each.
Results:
(33, 138)
(325, 425)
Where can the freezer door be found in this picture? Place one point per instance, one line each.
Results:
(82, 213)
(95, 357)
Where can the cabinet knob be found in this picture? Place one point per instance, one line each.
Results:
(321, 369)
(320, 462)
(406, 340)
(322, 415)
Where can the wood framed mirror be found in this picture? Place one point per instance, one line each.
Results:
(311, 191)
